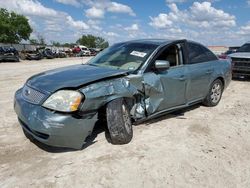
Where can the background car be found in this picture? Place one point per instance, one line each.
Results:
(8, 54)
(241, 61)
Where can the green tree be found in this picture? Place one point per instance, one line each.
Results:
(33, 41)
(101, 43)
(13, 27)
(69, 45)
(92, 41)
(54, 43)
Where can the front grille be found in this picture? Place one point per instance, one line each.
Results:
(31, 95)
(241, 62)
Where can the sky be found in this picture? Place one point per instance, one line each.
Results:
(211, 22)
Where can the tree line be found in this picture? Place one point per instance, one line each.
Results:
(15, 28)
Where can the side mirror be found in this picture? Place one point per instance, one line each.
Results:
(162, 65)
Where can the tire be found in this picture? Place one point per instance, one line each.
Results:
(119, 122)
(214, 95)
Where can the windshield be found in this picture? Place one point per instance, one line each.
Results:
(244, 48)
(125, 56)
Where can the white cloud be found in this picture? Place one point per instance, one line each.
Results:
(244, 30)
(52, 24)
(94, 13)
(28, 7)
(69, 2)
(201, 22)
(76, 24)
(161, 21)
(132, 28)
(204, 15)
(248, 2)
(111, 34)
(110, 6)
(94, 24)
(120, 8)
(133, 31)
(201, 15)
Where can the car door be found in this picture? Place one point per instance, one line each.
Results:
(166, 89)
(199, 70)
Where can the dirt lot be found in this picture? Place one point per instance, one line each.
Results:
(199, 147)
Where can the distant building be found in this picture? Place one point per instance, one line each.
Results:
(218, 49)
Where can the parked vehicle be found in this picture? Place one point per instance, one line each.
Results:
(241, 61)
(81, 54)
(127, 83)
(81, 51)
(85, 50)
(47, 53)
(9, 54)
(76, 50)
(225, 55)
(60, 54)
(93, 51)
(34, 55)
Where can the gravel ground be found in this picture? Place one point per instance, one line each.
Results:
(196, 147)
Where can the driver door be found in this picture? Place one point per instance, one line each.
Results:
(166, 89)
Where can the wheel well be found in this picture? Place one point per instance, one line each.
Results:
(222, 80)
(102, 110)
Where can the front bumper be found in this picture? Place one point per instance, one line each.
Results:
(51, 128)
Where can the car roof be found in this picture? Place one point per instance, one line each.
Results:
(152, 41)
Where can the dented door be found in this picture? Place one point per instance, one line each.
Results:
(165, 89)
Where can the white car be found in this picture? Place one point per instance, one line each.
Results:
(85, 51)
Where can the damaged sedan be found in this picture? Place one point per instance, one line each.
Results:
(127, 83)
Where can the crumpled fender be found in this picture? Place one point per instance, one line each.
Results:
(100, 93)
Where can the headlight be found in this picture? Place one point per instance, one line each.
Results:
(64, 101)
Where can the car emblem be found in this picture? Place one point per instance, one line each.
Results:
(27, 92)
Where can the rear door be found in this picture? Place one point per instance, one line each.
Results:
(200, 68)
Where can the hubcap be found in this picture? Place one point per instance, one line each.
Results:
(126, 118)
(216, 92)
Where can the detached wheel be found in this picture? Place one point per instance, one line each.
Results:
(119, 122)
(215, 93)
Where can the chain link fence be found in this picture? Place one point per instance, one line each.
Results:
(32, 47)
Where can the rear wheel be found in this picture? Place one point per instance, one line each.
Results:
(119, 122)
(215, 93)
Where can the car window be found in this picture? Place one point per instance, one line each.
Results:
(125, 56)
(172, 54)
(198, 54)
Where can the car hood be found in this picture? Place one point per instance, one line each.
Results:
(71, 77)
(240, 55)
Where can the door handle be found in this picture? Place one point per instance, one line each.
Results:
(182, 78)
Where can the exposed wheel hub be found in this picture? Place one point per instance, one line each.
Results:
(216, 92)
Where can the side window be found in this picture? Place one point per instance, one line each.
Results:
(199, 54)
(172, 55)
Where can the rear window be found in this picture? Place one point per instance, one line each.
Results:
(198, 54)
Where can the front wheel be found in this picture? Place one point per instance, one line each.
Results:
(215, 93)
(119, 122)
